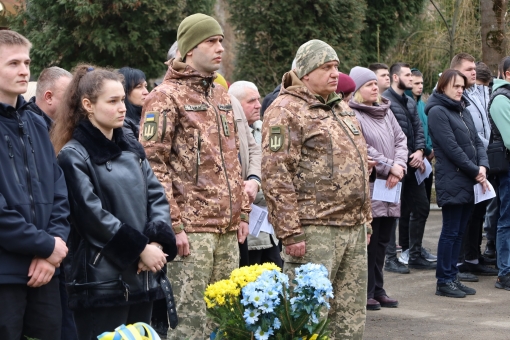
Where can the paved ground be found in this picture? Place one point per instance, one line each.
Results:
(423, 315)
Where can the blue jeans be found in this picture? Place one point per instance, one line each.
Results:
(455, 219)
(503, 233)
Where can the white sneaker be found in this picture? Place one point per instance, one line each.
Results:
(404, 257)
(427, 255)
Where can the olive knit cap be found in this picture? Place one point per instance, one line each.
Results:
(312, 55)
(195, 29)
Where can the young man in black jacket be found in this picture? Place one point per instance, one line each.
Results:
(415, 205)
(33, 206)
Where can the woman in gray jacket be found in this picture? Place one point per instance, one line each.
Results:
(386, 144)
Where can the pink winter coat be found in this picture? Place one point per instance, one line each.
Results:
(386, 143)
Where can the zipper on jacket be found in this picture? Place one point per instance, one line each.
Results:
(33, 157)
(96, 258)
(147, 280)
(21, 133)
(199, 145)
(222, 158)
(469, 131)
(11, 158)
(331, 146)
(163, 130)
(361, 159)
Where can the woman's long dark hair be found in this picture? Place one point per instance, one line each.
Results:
(132, 77)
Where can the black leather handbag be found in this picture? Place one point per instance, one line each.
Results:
(497, 155)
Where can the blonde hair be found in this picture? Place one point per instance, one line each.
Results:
(359, 99)
(12, 38)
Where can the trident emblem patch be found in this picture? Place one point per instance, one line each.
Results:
(276, 139)
(150, 126)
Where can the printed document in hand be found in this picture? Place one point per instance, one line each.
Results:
(420, 177)
(382, 193)
(258, 221)
(480, 196)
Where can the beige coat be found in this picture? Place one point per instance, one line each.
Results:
(251, 166)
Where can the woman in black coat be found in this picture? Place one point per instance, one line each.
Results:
(120, 236)
(461, 162)
(135, 86)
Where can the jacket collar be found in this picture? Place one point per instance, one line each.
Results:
(378, 111)
(186, 75)
(8, 111)
(100, 148)
(401, 98)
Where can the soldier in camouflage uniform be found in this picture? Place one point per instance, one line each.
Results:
(189, 135)
(315, 181)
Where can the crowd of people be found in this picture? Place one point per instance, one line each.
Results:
(118, 205)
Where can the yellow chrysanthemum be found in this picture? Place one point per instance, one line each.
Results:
(244, 275)
(219, 293)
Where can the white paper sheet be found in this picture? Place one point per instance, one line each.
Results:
(259, 222)
(420, 177)
(480, 196)
(382, 193)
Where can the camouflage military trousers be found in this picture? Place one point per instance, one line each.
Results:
(343, 251)
(213, 257)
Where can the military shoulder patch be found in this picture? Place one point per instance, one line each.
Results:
(351, 126)
(150, 126)
(276, 138)
(201, 107)
(226, 107)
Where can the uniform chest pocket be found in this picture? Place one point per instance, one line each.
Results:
(317, 154)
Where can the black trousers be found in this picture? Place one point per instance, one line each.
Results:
(68, 326)
(472, 238)
(492, 216)
(266, 255)
(414, 212)
(428, 185)
(92, 322)
(30, 312)
(382, 228)
(244, 255)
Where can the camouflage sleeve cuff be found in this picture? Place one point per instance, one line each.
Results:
(245, 218)
(369, 228)
(178, 228)
(294, 239)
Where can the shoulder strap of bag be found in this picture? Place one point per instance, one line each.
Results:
(492, 97)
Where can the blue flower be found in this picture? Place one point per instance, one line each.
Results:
(251, 316)
(257, 298)
(263, 335)
(277, 324)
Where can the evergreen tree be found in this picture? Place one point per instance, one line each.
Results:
(388, 19)
(270, 32)
(116, 33)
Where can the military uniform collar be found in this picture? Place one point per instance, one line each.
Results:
(180, 71)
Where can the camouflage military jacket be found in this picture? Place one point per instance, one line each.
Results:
(314, 163)
(189, 135)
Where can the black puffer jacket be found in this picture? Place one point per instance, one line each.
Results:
(409, 122)
(33, 193)
(117, 207)
(458, 149)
